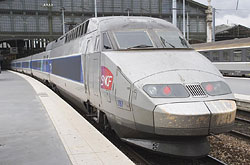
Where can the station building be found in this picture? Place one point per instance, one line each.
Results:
(34, 23)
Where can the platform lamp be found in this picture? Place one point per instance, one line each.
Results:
(49, 6)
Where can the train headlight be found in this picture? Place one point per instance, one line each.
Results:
(166, 91)
(216, 88)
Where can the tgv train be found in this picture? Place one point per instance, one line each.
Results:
(140, 76)
(231, 57)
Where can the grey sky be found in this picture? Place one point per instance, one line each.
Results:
(226, 11)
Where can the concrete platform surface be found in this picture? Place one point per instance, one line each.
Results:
(27, 135)
(38, 127)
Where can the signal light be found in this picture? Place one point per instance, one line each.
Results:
(167, 90)
(209, 87)
(216, 88)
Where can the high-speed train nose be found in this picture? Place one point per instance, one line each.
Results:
(194, 118)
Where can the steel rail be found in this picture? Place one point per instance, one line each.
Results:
(215, 160)
(240, 134)
(243, 120)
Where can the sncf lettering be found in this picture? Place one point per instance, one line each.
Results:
(106, 78)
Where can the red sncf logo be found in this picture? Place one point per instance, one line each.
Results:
(106, 78)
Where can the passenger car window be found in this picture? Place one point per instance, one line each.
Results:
(133, 39)
(215, 57)
(237, 55)
(106, 43)
(172, 39)
(226, 56)
(248, 55)
(206, 54)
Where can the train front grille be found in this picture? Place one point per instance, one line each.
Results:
(196, 90)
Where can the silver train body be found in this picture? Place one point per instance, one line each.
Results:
(140, 75)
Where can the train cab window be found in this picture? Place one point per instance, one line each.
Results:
(106, 42)
(215, 57)
(133, 39)
(237, 55)
(172, 39)
(226, 56)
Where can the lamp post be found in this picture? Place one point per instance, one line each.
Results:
(49, 5)
(209, 21)
(95, 9)
(63, 20)
(184, 18)
(174, 12)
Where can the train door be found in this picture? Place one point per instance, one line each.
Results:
(95, 66)
(94, 70)
(86, 67)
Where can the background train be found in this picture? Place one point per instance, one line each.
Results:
(139, 76)
(231, 57)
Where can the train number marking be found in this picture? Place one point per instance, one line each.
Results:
(106, 78)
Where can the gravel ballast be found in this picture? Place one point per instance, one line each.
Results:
(229, 149)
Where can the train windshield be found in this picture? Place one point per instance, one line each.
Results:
(172, 39)
(133, 39)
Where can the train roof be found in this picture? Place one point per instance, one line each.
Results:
(130, 22)
(113, 23)
(227, 44)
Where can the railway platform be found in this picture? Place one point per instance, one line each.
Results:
(241, 90)
(38, 127)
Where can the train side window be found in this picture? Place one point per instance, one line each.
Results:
(75, 31)
(237, 55)
(70, 36)
(78, 31)
(106, 42)
(215, 57)
(86, 27)
(248, 55)
(82, 28)
(73, 34)
(226, 56)
(66, 38)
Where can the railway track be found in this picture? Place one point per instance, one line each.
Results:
(242, 124)
(240, 134)
(215, 160)
(243, 120)
(144, 157)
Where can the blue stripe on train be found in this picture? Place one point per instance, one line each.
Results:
(66, 67)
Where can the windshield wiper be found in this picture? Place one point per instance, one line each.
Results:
(165, 41)
(183, 42)
(140, 46)
(107, 47)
